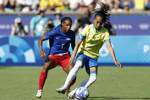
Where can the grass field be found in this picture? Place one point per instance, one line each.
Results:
(129, 83)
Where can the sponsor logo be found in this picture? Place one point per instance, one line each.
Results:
(144, 26)
(123, 26)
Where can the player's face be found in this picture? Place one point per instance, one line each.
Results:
(98, 22)
(66, 25)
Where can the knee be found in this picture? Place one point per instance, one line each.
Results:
(45, 68)
(77, 65)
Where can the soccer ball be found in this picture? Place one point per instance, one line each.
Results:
(81, 93)
(99, 6)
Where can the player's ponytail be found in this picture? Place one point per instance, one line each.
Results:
(102, 10)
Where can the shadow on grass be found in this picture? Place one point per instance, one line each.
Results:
(118, 98)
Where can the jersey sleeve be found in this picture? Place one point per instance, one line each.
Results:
(81, 37)
(83, 33)
(50, 34)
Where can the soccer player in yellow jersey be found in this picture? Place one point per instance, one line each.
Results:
(87, 52)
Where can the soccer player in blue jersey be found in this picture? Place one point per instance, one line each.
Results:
(86, 51)
(60, 39)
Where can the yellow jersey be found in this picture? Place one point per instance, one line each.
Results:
(139, 4)
(93, 40)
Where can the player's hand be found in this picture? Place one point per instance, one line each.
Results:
(42, 54)
(71, 63)
(118, 64)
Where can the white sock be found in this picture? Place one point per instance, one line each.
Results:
(72, 73)
(91, 80)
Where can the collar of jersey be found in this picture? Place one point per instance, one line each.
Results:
(95, 29)
(60, 27)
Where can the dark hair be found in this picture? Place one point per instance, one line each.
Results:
(103, 12)
(66, 18)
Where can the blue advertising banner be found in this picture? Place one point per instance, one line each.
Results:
(7, 22)
(123, 24)
(131, 50)
(131, 24)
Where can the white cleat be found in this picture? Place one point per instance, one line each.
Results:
(61, 90)
(39, 93)
(71, 95)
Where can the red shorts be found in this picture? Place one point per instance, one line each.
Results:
(62, 60)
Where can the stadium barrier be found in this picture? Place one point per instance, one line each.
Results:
(124, 24)
(130, 50)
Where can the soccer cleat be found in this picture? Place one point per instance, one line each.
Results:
(39, 93)
(67, 91)
(71, 95)
(61, 90)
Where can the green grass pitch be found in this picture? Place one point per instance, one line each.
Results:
(129, 83)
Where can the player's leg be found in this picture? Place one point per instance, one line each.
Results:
(86, 83)
(82, 84)
(72, 74)
(49, 64)
(71, 94)
(92, 77)
(67, 68)
(91, 69)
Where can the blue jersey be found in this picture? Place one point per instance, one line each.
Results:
(60, 41)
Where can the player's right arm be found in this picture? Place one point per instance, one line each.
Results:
(45, 37)
(81, 38)
(40, 42)
(75, 50)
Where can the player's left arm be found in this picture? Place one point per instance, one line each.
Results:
(112, 53)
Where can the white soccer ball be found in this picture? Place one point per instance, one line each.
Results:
(81, 93)
(99, 6)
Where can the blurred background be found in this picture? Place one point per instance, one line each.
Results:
(22, 22)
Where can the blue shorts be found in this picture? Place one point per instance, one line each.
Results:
(88, 62)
